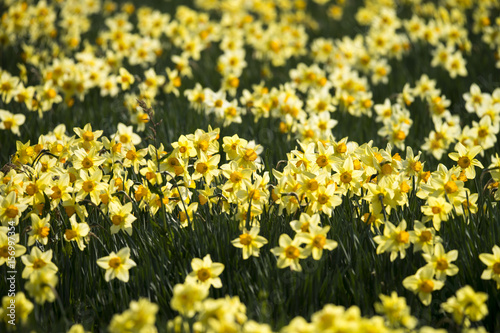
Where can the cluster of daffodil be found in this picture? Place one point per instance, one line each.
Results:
(338, 74)
(62, 173)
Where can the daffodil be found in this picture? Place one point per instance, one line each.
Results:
(206, 167)
(305, 222)
(440, 261)
(206, 272)
(87, 137)
(289, 253)
(493, 263)
(7, 250)
(423, 238)
(41, 286)
(9, 121)
(396, 310)
(140, 317)
(23, 307)
(346, 176)
(40, 229)
(38, 261)
(250, 242)
(121, 216)
(187, 297)
(59, 190)
(90, 185)
(423, 284)
(78, 232)
(316, 241)
(465, 159)
(437, 210)
(11, 209)
(395, 239)
(87, 160)
(468, 305)
(117, 265)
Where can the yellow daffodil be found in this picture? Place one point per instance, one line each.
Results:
(316, 241)
(305, 222)
(187, 297)
(395, 239)
(9, 121)
(289, 252)
(38, 261)
(117, 265)
(23, 308)
(250, 242)
(493, 263)
(40, 229)
(437, 210)
(423, 238)
(78, 232)
(11, 209)
(465, 159)
(206, 272)
(90, 185)
(121, 217)
(440, 261)
(468, 305)
(7, 250)
(41, 286)
(422, 283)
(396, 310)
(140, 317)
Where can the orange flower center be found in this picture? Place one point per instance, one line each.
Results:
(11, 211)
(43, 232)
(87, 163)
(31, 189)
(88, 136)
(403, 237)
(236, 177)
(88, 186)
(322, 161)
(319, 241)
(39, 263)
(203, 274)
(201, 167)
(436, 210)
(245, 239)
(115, 262)
(442, 264)
(70, 234)
(323, 199)
(250, 155)
(425, 236)
(464, 162)
(7, 123)
(450, 187)
(131, 155)
(312, 185)
(117, 219)
(4, 251)
(426, 286)
(496, 268)
(346, 177)
(291, 252)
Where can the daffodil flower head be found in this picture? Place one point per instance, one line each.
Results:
(206, 272)
(250, 242)
(492, 260)
(465, 159)
(117, 265)
(423, 284)
(289, 252)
